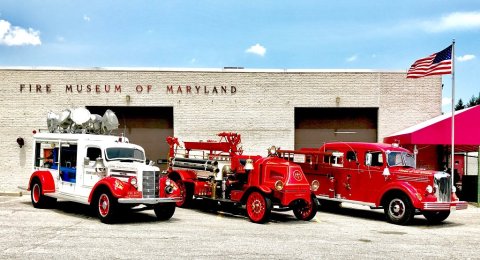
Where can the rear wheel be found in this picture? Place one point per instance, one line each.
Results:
(106, 207)
(258, 207)
(38, 199)
(435, 217)
(399, 210)
(304, 210)
(164, 211)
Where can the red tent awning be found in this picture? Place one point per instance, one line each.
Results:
(438, 130)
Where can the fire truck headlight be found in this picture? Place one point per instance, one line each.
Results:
(168, 182)
(133, 181)
(454, 189)
(279, 185)
(429, 189)
(315, 185)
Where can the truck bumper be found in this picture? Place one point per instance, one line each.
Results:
(436, 206)
(149, 201)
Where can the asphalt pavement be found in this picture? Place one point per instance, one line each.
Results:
(71, 231)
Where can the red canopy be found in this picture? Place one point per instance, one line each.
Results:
(438, 130)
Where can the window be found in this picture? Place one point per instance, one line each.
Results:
(334, 158)
(351, 156)
(93, 153)
(376, 158)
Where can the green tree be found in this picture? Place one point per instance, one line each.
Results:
(459, 105)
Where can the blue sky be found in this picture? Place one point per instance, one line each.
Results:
(300, 34)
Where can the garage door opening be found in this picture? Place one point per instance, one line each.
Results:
(315, 126)
(145, 126)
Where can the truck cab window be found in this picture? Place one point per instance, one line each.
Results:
(93, 153)
(377, 158)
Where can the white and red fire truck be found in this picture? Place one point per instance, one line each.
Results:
(379, 176)
(101, 170)
(219, 172)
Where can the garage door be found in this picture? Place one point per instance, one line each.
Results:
(315, 126)
(145, 126)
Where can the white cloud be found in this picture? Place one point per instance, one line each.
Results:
(466, 57)
(257, 49)
(86, 18)
(446, 101)
(453, 21)
(16, 36)
(352, 58)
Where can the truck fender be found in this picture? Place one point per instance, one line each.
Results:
(46, 180)
(263, 189)
(404, 187)
(184, 175)
(117, 187)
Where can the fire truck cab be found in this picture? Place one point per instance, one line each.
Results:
(379, 176)
(104, 171)
(218, 171)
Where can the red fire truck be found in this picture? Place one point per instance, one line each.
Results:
(76, 162)
(218, 171)
(379, 176)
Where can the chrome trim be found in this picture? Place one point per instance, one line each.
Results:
(150, 188)
(412, 179)
(445, 205)
(443, 185)
(371, 205)
(148, 200)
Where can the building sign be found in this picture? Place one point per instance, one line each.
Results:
(139, 89)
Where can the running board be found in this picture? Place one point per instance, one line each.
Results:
(371, 205)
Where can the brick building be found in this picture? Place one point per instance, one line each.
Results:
(287, 108)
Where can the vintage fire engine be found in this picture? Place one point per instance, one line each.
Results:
(218, 171)
(379, 176)
(71, 162)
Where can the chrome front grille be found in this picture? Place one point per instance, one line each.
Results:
(443, 185)
(150, 184)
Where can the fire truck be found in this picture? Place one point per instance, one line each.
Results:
(379, 176)
(219, 172)
(78, 160)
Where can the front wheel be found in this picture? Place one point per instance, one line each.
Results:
(258, 207)
(38, 199)
(106, 207)
(435, 217)
(399, 210)
(164, 211)
(304, 210)
(186, 193)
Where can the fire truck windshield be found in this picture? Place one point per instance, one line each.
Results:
(124, 154)
(400, 159)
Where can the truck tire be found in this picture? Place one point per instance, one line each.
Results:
(164, 211)
(106, 206)
(304, 210)
(435, 217)
(258, 207)
(186, 193)
(399, 210)
(38, 199)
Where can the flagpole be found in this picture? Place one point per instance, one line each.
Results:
(452, 158)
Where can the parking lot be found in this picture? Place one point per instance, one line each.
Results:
(70, 231)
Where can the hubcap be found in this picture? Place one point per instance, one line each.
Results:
(257, 207)
(36, 193)
(397, 208)
(103, 205)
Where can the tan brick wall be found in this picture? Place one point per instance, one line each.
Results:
(262, 109)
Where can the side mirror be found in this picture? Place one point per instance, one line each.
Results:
(368, 159)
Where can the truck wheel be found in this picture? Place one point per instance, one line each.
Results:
(435, 217)
(38, 199)
(399, 210)
(186, 193)
(258, 207)
(164, 211)
(106, 206)
(304, 210)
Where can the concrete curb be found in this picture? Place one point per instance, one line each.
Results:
(12, 194)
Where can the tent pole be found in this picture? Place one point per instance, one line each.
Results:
(478, 177)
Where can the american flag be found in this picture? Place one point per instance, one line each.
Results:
(436, 64)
